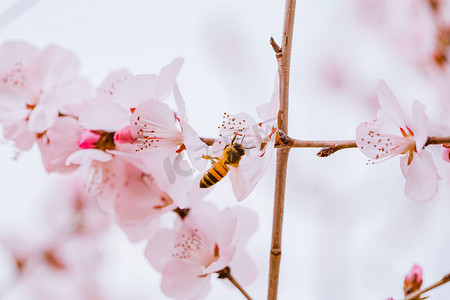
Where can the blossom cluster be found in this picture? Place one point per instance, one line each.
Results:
(146, 161)
(143, 157)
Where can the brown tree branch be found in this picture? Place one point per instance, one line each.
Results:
(330, 146)
(417, 294)
(283, 55)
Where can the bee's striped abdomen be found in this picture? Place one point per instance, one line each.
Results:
(214, 175)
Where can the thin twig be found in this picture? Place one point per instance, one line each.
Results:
(418, 293)
(330, 146)
(434, 140)
(226, 273)
(283, 55)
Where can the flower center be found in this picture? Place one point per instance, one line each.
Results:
(191, 248)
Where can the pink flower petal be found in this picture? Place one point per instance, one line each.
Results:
(195, 148)
(55, 66)
(246, 225)
(225, 256)
(183, 281)
(153, 127)
(15, 52)
(136, 90)
(269, 111)
(419, 125)
(45, 114)
(167, 77)
(446, 153)
(111, 84)
(160, 248)
(179, 101)
(74, 96)
(389, 104)
(377, 145)
(19, 133)
(58, 143)
(106, 115)
(226, 229)
(421, 176)
(243, 268)
(123, 136)
(87, 139)
(86, 156)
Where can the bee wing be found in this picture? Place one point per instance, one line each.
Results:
(239, 182)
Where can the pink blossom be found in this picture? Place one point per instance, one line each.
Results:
(162, 137)
(413, 281)
(109, 114)
(58, 143)
(132, 198)
(392, 135)
(35, 88)
(155, 127)
(258, 140)
(201, 244)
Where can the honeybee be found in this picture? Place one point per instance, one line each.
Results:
(231, 156)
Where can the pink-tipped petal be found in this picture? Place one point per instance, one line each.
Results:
(123, 136)
(445, 150)
(87, 139)
(421, 176)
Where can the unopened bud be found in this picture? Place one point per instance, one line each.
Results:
(123, 136)
(87, 139)
(413, 281)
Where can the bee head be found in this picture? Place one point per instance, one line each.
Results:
(239, 148)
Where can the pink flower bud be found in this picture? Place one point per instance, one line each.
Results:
(123, 136)
(87, 139)
(413, 280)
(446, 152)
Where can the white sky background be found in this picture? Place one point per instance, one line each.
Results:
(349, 231)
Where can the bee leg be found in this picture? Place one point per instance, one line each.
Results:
(213, 158)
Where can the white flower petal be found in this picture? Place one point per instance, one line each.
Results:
(389, 104)
(419, 123)
(421, 176)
